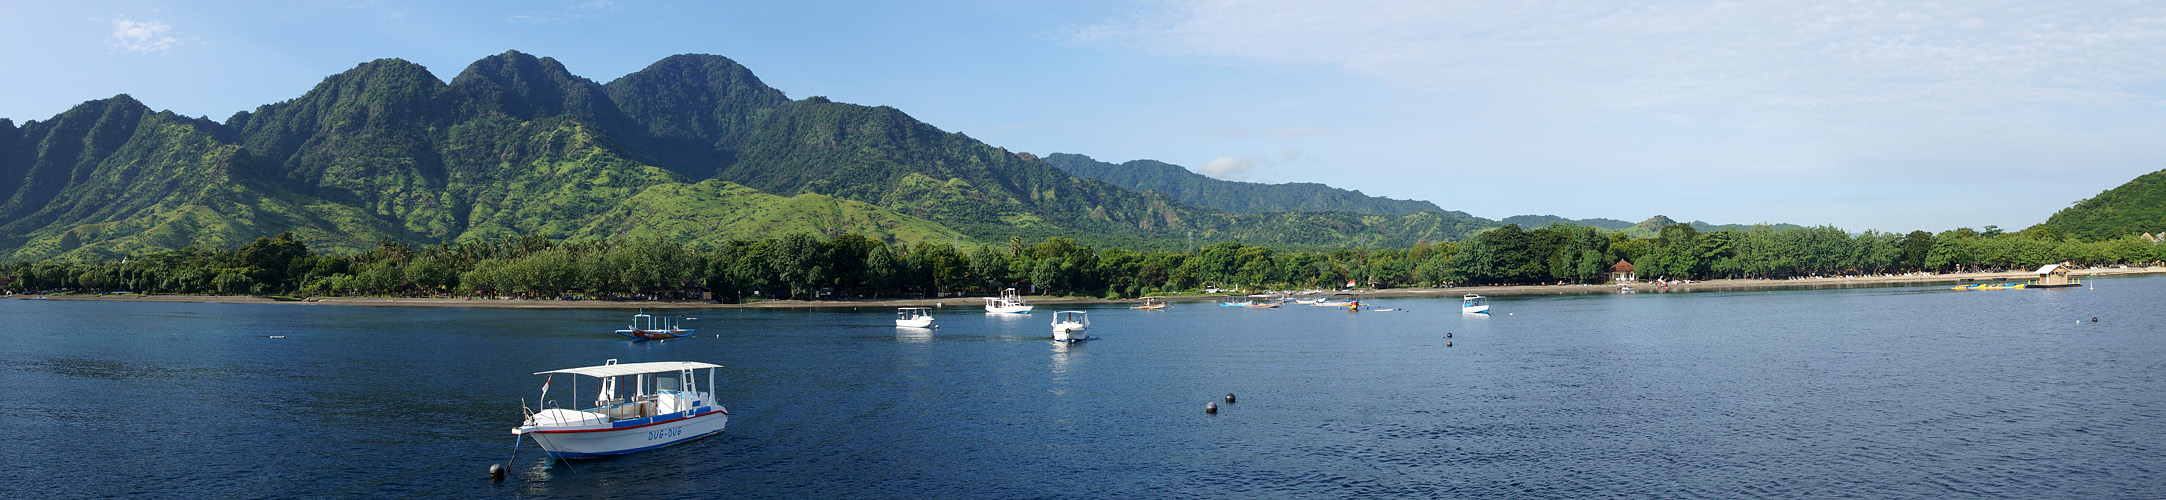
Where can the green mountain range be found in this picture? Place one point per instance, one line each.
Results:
(692, 148)
(1235, 196)
(2138, 206)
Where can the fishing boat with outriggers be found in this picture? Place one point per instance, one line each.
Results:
(650, 327)
(665, 403)
(1474, 304)
(1151, 304)
(1070, 326)
(913, 317)
(1009, 302)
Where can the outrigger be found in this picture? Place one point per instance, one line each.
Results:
(650, 327)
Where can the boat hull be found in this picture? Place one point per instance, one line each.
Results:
(1070, 334)
(589, 443)
(924, 322)
(655, 334)
(1481, 309)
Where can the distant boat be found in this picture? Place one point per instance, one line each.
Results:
(649, 327)
(1236, 301)
(1008, 302)
(1474, 304)
(1151, 304)
(1069, 326)
(913, 317)
(667, 404)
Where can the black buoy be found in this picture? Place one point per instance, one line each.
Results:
(1211, 408)
(2094, 319)
(1447, 344)
(496, 472)
(1229, 398)
(1447, 335)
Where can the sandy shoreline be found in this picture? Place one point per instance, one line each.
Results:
(1492, 291)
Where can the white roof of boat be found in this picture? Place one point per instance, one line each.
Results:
(633, 368)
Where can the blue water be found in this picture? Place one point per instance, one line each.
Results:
(1916, 392)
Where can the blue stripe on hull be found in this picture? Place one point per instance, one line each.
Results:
(571, 454)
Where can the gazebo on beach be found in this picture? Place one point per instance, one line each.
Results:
(1621, 272)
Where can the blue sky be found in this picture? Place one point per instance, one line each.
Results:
(1865, 115)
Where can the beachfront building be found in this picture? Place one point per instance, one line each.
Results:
(2053, 275)
(1622, 272)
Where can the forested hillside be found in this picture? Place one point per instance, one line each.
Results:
(1234, 196)
(2133, 208)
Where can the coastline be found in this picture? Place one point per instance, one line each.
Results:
(1491, 291)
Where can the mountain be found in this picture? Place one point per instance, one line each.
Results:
(1652, 227)
(1235, 196)
(2136, 207)
(692, 147)
(1535, 221)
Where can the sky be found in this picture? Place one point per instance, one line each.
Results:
(1864, 115)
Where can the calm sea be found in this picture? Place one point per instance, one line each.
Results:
(1917, 392)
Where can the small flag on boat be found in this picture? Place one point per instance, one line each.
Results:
(545, 385)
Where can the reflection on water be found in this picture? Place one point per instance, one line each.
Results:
(1887, 392)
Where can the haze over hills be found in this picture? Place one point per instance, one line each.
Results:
(692, 148)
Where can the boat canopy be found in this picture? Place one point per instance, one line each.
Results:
(634, 368)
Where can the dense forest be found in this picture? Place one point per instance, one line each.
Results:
(805, 266)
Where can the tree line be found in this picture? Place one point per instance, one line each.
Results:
(803, 266)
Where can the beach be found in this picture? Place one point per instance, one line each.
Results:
(1492, 291)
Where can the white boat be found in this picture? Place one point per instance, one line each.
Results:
(1007, 302)
(1474, 304)
(1069, 326)
(665, 404)
(913, 317)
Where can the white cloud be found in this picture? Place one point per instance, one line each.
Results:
(1245, 167)
(1860, 67)
(148, 36)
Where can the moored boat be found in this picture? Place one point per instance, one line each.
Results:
(650, 327)
(665, 403)
(1009, 302)
(913, 317)
(1151, 304)
(1474, 304)
(1070, 326)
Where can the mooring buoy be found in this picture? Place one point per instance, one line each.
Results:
(496, 472)
(1447, 344)
(2094, 319)
(1229, 398)
(1447, 335)
(1211, 408)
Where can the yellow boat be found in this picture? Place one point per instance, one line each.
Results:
(1996, 286)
